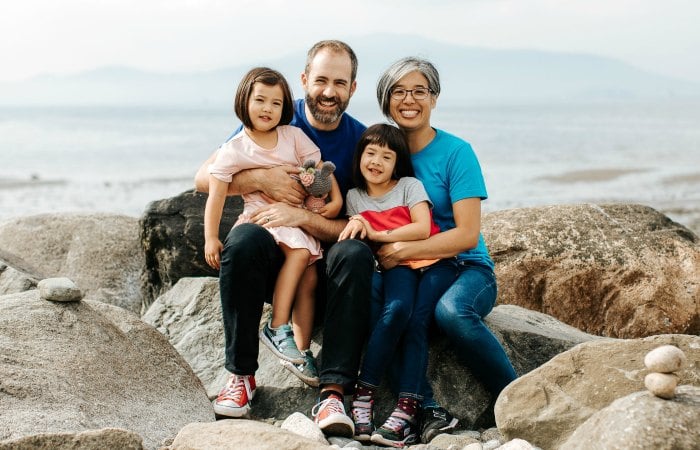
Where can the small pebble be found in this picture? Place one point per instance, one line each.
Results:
(59, 290)
(492, 444)
(517, 444)
(665, 359)
(661, 384)
(474, 446)
(492, 433)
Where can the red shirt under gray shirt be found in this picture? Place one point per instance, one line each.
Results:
(392, 209)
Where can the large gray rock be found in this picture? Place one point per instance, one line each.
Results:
(101, 253)
(611, 270)
(532, 338)
(108, 438)
(643, 421)
(546, 405)
(13, 280)
(172, 236)
(72, 367)
(189, 315)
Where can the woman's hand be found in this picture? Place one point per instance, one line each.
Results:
(212, 253)
(390, 255)
(354, 228)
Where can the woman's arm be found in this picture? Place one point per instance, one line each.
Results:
(464, 236)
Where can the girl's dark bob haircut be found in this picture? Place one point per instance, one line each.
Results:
(269, 77)
(384, 135)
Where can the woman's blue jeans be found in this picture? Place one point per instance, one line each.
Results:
(459, 315)
(401, 324)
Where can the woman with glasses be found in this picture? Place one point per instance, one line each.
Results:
(448, 167)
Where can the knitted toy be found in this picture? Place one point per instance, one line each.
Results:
(317, 183)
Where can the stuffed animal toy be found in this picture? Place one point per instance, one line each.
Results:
(317, 183)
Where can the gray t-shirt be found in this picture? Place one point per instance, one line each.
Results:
(408, 192)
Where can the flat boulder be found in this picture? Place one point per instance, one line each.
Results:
(69, 367)
(112, 438)
(619, 270)
(101, 253)
(545, 406)
(236, 434)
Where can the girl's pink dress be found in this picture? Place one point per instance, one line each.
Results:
(241, 153)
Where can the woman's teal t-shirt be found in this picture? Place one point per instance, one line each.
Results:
(450, 171)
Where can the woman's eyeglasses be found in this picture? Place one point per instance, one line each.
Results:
(417, 93)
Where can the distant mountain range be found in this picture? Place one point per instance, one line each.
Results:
(467, 74)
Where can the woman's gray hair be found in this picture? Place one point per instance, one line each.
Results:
(400, 69)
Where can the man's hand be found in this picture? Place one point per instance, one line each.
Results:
(280, 214)
(278, 185)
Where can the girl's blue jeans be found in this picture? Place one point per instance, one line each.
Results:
(401, 319)
(459, 315)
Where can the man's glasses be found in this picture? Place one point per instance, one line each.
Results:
(417, 93)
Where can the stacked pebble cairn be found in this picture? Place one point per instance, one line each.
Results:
(662, 363)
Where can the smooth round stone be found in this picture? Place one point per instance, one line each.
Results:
(661, 384)
(474, 446)
(59, 290)
(665, 359)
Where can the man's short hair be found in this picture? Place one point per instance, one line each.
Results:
(336, 47)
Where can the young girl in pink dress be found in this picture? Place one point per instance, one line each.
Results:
(264, 104)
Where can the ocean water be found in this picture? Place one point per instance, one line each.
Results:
(119, 159)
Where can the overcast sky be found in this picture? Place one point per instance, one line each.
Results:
(67, 36)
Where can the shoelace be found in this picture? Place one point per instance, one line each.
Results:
(361, 411)
(396, 421)
(235, 389)
(333, 405)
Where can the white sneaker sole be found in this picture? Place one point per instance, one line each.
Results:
(379, 439)
(430, 435)
(337, 426)
(313, 382)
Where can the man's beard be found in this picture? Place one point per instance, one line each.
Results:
(322, 115)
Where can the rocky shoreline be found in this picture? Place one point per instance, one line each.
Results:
(133, 359)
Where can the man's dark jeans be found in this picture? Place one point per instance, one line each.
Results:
(250, 262)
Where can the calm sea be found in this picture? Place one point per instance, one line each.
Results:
(119, 159)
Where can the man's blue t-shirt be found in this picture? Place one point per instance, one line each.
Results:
(337, 146)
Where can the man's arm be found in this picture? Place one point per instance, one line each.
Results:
(274, 182)
(201, 178)
(279, 214)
